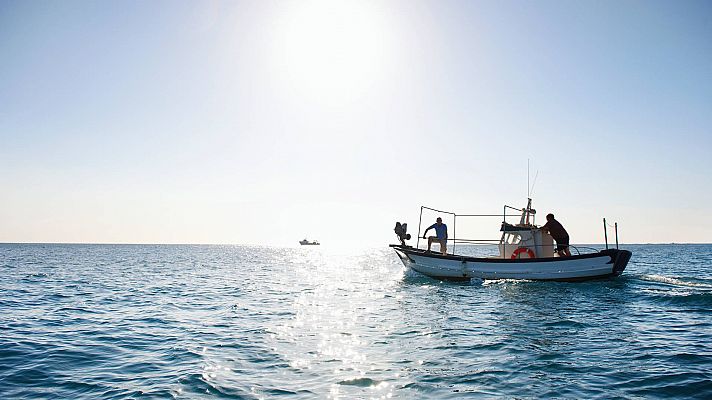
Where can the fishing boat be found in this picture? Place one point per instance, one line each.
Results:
(525, 252)
(306, 242)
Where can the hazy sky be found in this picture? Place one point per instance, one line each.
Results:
(263, 122)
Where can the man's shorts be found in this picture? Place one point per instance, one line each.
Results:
(562, 243)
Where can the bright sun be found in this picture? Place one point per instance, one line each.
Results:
(332, 48)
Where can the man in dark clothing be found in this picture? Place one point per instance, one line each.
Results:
(559, 234)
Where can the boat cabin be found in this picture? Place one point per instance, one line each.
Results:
(525, 240)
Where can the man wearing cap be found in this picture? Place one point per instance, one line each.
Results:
(557, 231)
(440, 235)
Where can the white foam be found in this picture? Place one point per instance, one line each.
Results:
(673, 281)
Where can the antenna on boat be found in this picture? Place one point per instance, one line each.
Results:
(528, 212)
(530, 189)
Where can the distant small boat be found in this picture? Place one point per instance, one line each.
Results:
(308, 243)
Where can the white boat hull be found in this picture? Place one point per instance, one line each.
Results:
(606, 263)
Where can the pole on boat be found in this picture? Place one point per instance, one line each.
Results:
(504, 242)
(616, 225)
(605, 232)
(420, 221)
(454, 233)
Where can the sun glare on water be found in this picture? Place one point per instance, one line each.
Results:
(331, 48)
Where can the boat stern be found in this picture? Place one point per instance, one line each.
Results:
(620, 261)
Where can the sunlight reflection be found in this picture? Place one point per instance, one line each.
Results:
(334, 314)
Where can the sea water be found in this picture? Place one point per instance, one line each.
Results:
(194, 321)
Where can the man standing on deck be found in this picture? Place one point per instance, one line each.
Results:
(440, 235)
(557, 231)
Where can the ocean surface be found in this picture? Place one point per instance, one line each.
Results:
(240, 322)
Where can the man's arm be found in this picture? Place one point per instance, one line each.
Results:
(427, 229)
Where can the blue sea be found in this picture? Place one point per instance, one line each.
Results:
(241, 322)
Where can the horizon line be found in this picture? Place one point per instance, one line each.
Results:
(274, 245)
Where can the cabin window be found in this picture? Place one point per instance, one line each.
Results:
(513, 239)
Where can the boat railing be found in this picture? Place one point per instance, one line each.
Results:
(455, 240)
(593, 249)
(495, 242)
(605, 231)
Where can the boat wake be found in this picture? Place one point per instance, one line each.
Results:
(680, 292)
(487, 282)
(673, 281)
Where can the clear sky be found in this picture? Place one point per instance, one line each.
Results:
(264, 122)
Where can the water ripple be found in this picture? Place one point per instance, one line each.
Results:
(142, 321)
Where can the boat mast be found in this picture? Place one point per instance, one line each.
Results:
(526, 213)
